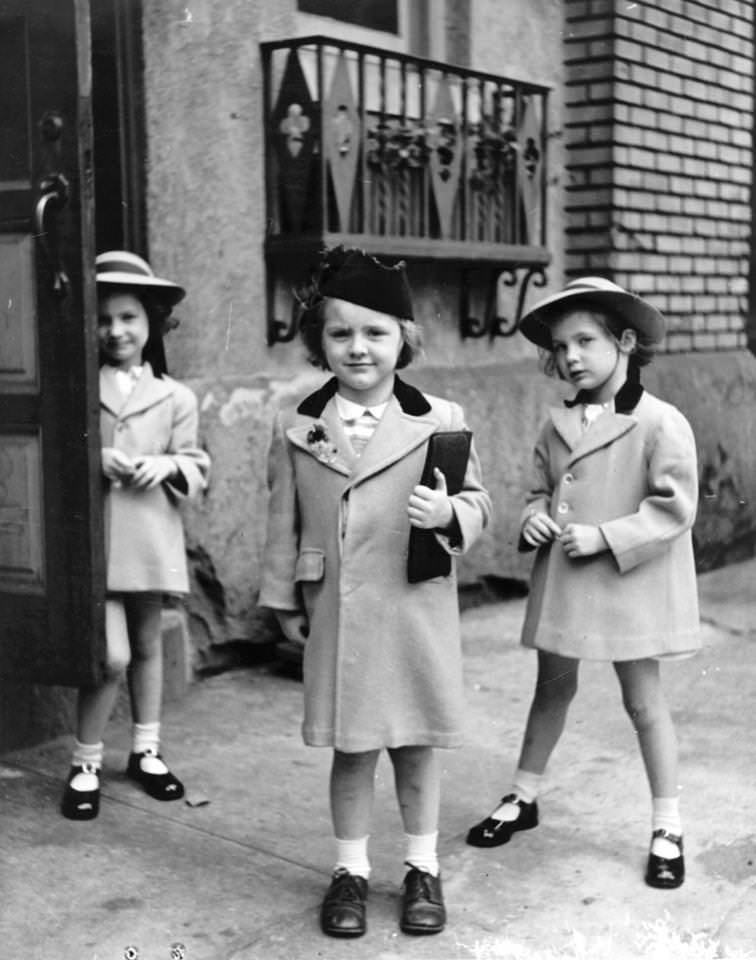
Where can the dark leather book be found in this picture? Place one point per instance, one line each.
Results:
(448, 450)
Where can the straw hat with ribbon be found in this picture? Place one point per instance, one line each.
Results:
(120, 268)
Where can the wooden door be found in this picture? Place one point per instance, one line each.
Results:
(51, 576)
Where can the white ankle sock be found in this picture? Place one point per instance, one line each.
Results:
(89, 756)
(145, 738)
(525, 787)
(421, 851)
(352, 855)
(666, 816)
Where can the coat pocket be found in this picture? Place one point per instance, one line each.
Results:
(310, 566)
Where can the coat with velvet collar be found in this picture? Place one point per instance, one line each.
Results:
(634, 474)
(144, 537)
(382, 663)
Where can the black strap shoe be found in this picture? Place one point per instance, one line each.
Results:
(664, 873)
(423, 908)
(492, 833)
(342, 913)
(80, 804)
(161, 786)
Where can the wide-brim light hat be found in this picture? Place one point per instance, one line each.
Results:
(596, 292)
(120, 268)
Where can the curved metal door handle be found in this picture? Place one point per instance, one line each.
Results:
(53, 198)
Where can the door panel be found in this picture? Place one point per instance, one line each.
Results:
(51, 577)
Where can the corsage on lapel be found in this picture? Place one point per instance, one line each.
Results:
(320, 444)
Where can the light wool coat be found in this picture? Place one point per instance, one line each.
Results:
(144, 536)
(382, 663)
(634, 474)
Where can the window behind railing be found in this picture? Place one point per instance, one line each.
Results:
(402, 156)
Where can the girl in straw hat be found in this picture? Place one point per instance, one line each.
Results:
(610, 516)
(150, 463)
(382, 658)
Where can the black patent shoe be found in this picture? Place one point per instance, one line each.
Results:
(80, 804)
(492, 833)
(342, 913)
(666, 874)
(423, 908)
(161, 786)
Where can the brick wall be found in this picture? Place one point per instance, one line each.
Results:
(658, 122)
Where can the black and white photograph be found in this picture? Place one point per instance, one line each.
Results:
(377, 376)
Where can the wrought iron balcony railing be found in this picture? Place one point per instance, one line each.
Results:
(402, 156)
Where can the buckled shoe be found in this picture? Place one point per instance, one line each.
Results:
(81, 804)
(664, 873)
(161, 786)
(492, 833)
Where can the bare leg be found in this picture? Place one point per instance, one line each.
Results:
(342, 913)
(351, 789)
(146, 670)
(81, 797)
(647, 708)
(95, 704)
(418, 787)
(555, 688)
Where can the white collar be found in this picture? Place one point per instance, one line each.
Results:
(592, 411)
(349, 410)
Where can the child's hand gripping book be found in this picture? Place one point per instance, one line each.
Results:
(449, 451)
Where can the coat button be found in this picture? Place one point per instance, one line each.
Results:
(563, 507)
(568, 478)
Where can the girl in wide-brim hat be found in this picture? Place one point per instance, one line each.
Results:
(121, 269)
(150, 463)
(609, 513)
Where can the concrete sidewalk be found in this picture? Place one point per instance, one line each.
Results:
(240, 877)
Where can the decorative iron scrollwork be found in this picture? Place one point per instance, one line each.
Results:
(491, 324)
(280, 331)
(391, 147)
(494, 154)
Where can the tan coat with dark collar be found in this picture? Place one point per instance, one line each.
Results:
(382, 664)
(633, 473)
(144, 537)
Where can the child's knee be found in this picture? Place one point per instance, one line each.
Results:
(347, 763)
(644, 714)
(557, 690)
(116, 666)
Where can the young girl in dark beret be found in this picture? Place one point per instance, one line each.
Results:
(382, 659)
(610, 515)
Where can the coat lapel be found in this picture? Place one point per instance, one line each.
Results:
(566, 422)
(148, 390)
(110, 396)
(395, 436)
(403, 426)
(335, 452)
(603, 431)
